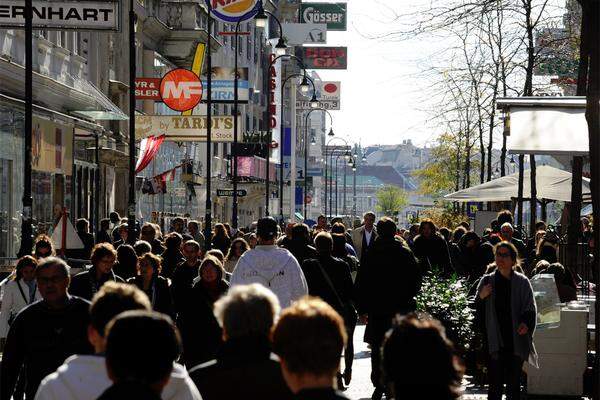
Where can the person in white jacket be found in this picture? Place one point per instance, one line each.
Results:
(86, 377)
(18, 293)
(273, 267)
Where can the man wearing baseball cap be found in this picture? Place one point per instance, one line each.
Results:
(271, 266)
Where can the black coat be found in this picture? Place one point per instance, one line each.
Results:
(170, 261)
(389, 280)
(103, 237)
(221, 243)
(159, 294)
(41, 339)
(85, 285)
(321, 394)
(244, 369)
(433, 252)
(341, 278)
(128, 390)
(474, 262)
(182, 281)
(301, 251)
(200, 331)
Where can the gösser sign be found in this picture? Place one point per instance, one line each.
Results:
(84, 15)
(234, 10)
(332, 14)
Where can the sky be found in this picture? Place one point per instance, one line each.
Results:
(381, 101)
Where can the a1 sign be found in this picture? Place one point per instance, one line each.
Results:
(147, 89)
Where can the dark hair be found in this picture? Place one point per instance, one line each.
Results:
(301, 233)
(216, 253)
(465, 225)
(338, 227)
(266, 228)
(234, 243)
(82, 224)
(25, 261)
(52, 262)
(324, 243)
(216, 263)
(414, 229)
(495, 225)
(192, 243)
(386, 228)
(104, 224)
(142, 247)
(467, 237)
(132, 353)
(339, 245)
(445, 232)
(504, 216)
(154, 261)
(439, 375)
(102, 250)
(309, 337)
(43, 241)
(149, 228)
(173, 241)
(112, 299)
(427, 222)
(458, 233)
(540, 225)
(514, 255)
(127, 258)
(221, 231)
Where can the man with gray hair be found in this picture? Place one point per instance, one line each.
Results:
(245, 367)
(507, 234)
(46, 332)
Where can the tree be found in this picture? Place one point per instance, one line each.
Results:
(391, 199)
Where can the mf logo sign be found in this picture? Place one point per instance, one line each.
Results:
(181, 89)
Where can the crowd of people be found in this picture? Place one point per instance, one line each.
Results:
(265, 312)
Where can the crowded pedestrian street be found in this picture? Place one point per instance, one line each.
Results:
(299, 199)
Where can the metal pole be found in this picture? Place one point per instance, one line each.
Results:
(354, 193)
(344, 194)
(281, 149)
(331, 184)
(234, 212)
(132, 73)
(26, 226)
(208, 206)
(336, 185)
(97, 184)
(305, 166)
(326, 197)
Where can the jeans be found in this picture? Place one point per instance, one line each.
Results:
(505, 368)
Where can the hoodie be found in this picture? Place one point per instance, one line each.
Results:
(275, 268)
(85, 378)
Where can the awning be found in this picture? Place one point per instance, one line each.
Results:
(546, 125)
(299, 216)
(552, 184)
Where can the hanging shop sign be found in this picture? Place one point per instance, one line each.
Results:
(229, 192)
(147, 89)
(51, 147)
(274, 104)
(256, 137)
(299, 34)
(184, 128)
(332, 14)
(181, 89)
(222, 85)
(83, 15)
(328, 93)
(234, 10)
(323, 57)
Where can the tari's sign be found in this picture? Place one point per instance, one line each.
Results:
(83, 15)
(183, 128)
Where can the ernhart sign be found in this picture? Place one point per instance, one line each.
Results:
(85, 15)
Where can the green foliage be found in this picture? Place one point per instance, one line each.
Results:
(446, 300)
(444, 215)
(391, 200)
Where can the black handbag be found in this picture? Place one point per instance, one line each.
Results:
(349, 312)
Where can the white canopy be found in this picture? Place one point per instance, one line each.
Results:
(552, 184)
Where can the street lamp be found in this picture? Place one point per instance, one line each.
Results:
(312, 142)
(304, 86)
(314, 102)
(261, 18)
(326, 177)
(305, 78)
(331, 134)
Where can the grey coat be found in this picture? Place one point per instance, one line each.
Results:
(522, 301)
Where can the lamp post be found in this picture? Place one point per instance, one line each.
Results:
(330, 134)
(304, 88)
(208, 203)
(132, 72)
(346, 154)
(313, 101)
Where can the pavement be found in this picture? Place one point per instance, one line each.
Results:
(361, 388)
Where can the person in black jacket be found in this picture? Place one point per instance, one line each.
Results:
(172, 256)
(155, 286)
(299, 244)
(148, 233)
(185, 273)
(200, 331)
(388, 286)
(474, 256)
(246, 314)
(45, 333)
(431, 249)
(330, 279)
(82, 225)
(102, 236)
(85, 284)
(127, 262)
(221, 240)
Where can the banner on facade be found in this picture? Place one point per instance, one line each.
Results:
(299, 34)
(332, 14)
(183, 128)
(51, 147)
(82, 15)
(315, 57)
(222, 85)
(275, 105)
(147, 89)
